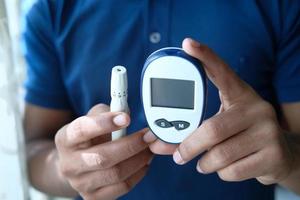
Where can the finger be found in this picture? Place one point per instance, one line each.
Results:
(158, 146)
(86, 128)
(149, 137)
(231, 150)
(97, 109)
(251, 166)
(91, 181)
(225, 79)
(162, 148)
(211, 132)
(106, 155)
(116, 190)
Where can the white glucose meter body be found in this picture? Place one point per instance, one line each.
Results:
(173, 90)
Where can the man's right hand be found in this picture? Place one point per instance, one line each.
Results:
(95, 166)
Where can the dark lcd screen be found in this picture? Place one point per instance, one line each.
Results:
(172, 93)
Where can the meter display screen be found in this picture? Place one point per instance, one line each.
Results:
(172, 93)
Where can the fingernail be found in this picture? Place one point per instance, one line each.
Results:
(199, 169)
(120, 120)
(194, 43)
(149, 137)
(177, 158)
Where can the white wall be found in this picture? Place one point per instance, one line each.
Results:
(13, 185)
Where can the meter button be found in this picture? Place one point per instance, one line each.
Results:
(180, 125)
(163, 123)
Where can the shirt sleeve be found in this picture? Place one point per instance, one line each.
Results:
(287, 74)
(44, 84)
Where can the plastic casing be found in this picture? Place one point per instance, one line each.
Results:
(173, 63)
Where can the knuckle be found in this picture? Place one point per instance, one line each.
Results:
(103, 106)
(132, 148)
(69, 169)
(77, 185)
(115, 174)
(82, 185)
(77, 127)
(58, 138)
(85, 184)
(213, 130)
(99, 108)
(85, 187)
(221, 155)
(66, 170)
(101, 161)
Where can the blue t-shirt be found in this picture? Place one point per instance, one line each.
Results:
(71, 47)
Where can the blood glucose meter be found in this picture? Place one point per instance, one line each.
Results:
(173, 90)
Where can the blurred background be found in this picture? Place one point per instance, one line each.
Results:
(13, 179)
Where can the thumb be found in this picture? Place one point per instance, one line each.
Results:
(224, 78)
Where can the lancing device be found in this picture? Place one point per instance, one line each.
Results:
(119, 94)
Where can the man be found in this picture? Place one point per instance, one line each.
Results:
(250, 138)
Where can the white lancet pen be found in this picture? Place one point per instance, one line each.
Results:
(119, 93)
